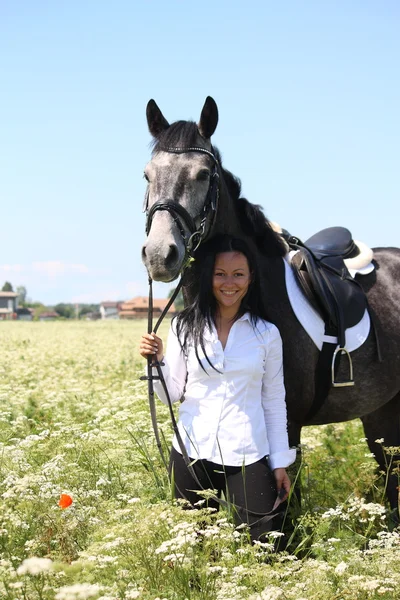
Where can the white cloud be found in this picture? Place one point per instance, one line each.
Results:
(54, 268)
(11, 268)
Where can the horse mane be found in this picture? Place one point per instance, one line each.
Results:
(184, 134)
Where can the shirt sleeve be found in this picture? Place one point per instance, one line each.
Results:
(273, 402)
(174, 369)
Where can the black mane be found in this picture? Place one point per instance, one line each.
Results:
(184, 134)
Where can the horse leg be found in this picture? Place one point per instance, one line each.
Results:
(384, 423)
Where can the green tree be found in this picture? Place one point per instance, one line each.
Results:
(65, 310)
(22, 292)
(178, 302)
(7, 287)
(84, 309)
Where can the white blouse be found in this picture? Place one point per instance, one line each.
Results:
(237, 414)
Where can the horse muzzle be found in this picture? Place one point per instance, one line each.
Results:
(163, 260)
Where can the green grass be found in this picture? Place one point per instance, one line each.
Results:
(74, 419)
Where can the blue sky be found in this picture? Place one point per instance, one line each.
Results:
(308, 96)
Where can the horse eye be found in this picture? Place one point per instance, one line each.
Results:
(203, 175)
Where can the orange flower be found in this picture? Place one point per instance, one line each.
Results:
(65, 501)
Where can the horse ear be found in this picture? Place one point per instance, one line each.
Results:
(208, 119)
(155, 119)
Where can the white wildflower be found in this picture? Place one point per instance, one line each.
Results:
(132, 594)
(79, 591)
(35, 566)
(341, 568)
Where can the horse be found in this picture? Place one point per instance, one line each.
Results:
(190, 196)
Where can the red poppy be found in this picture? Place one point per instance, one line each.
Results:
(65, 501)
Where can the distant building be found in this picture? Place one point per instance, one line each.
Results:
(25, 314)
(49, 315)
(110, 310)
(138, 307)
(8, 305)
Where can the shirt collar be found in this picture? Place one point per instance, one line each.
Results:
(212, 333)
(245, 317)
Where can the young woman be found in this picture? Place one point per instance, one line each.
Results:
(224, 360)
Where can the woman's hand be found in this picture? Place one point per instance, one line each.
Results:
(151, 345)
(282, 483)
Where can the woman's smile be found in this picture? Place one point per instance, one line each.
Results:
(231, 280)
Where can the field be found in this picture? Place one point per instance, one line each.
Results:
(74, 420)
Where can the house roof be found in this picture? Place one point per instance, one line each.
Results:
(110, 304)
(8, 295)
(142, 302)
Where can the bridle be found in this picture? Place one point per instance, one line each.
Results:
(196, 236)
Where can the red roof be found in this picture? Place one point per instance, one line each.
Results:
(142, 302)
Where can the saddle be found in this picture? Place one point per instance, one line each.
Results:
(319, 267)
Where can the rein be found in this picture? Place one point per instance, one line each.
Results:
(196, 237)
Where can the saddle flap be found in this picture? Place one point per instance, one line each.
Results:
(337, 297)
(332, 241)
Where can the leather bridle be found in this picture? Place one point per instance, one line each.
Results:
(206, 219)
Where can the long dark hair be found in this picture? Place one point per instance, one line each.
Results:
(193, 320)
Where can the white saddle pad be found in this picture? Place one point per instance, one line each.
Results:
(311, 320)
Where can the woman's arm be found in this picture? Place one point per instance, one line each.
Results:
(274, 405)
(174, 364)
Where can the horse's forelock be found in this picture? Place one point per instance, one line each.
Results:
(181, 134)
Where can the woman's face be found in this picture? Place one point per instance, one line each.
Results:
(231, 280)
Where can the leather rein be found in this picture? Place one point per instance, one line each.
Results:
(192, 242)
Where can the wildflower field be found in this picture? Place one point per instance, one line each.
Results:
(86, 509)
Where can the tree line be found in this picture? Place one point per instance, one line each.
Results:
(63, 309)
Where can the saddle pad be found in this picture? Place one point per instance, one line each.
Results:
(312, 321)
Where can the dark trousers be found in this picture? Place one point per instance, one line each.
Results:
(250, 490)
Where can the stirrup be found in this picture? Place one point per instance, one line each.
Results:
(350, 381)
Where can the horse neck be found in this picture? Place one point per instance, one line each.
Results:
(226, 221)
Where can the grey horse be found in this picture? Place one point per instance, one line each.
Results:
(179, 173)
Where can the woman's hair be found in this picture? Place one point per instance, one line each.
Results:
(192, 321)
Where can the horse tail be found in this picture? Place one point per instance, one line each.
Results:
(256, 225)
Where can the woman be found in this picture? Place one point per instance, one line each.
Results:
(226, 360)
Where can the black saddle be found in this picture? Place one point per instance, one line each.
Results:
(323, 276)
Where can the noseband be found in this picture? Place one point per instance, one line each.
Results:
(180, 215)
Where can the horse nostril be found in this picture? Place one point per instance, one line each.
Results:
(172, 256)
(143, 252)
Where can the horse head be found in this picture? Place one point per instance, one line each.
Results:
(182, 175)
